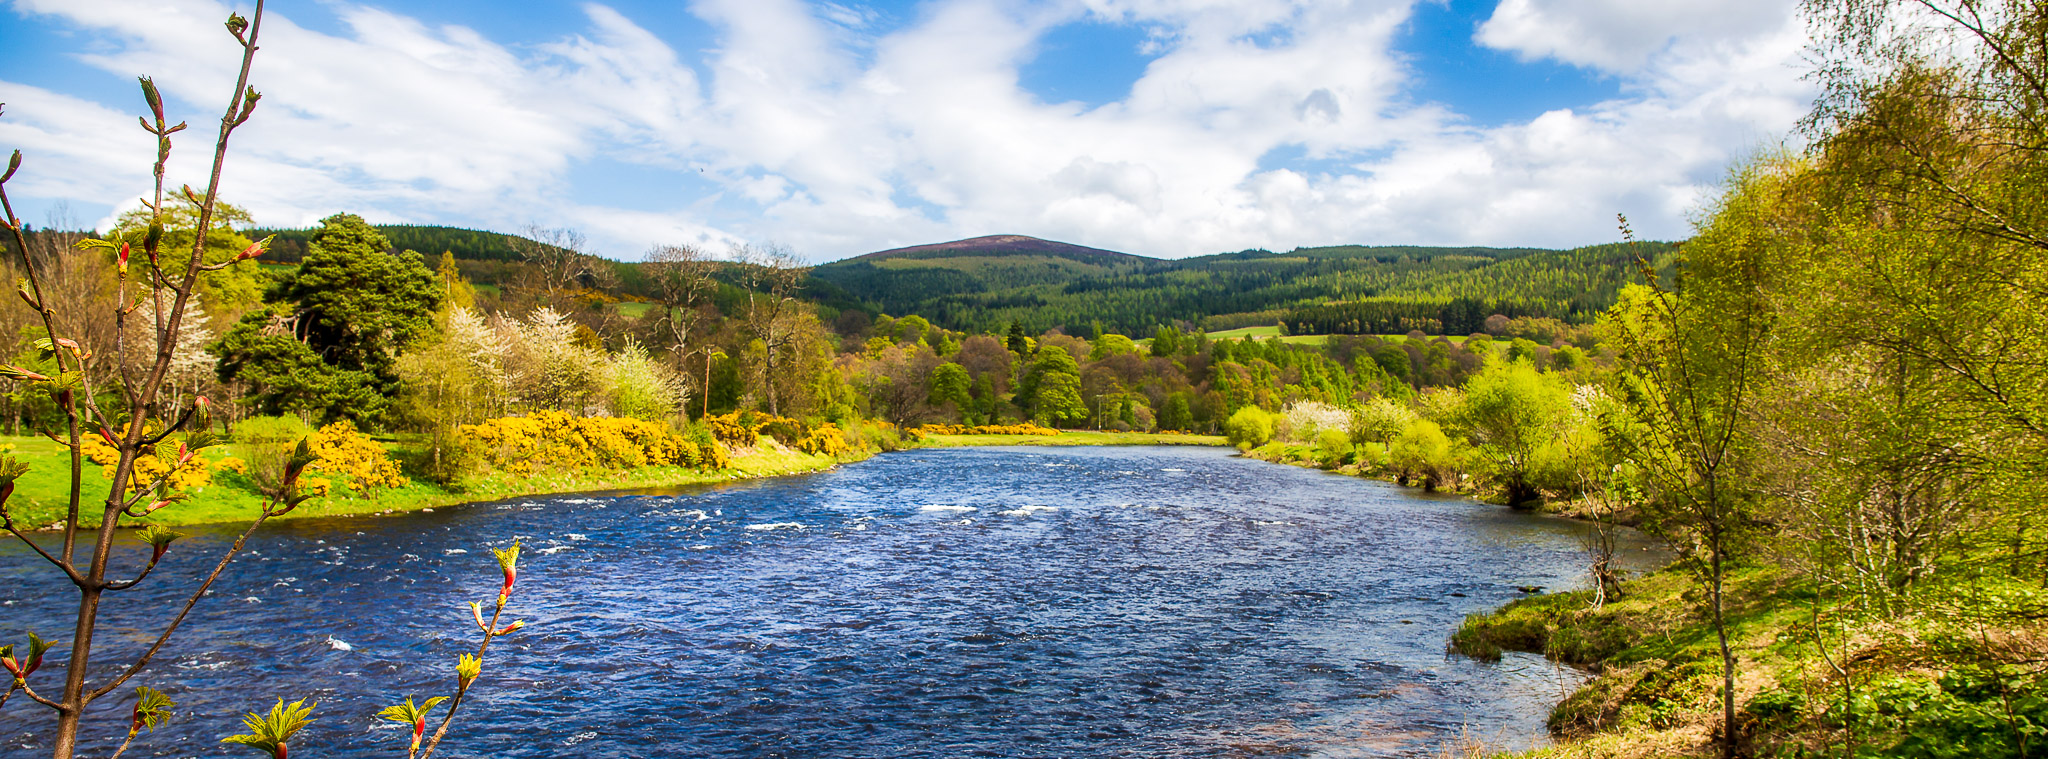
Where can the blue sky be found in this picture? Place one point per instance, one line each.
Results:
(1161, 127)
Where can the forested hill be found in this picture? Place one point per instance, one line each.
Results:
(429, 241)
(987, 283)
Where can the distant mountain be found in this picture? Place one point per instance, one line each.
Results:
(1002, 246)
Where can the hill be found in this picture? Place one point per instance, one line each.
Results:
(986, 283)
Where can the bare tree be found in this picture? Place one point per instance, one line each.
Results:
(558, 262)
(682, 280)
(772, 276)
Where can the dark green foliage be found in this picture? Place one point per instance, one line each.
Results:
(358, 304)
(1435, 289)
(292, 245)
(285, 376)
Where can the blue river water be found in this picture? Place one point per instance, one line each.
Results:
(995, 602)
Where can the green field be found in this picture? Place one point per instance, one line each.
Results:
(1269, 331)
(633, 309)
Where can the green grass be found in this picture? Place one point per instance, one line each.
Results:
(633, 309)
(1071, 437)
(42, 494)
(1270, 331)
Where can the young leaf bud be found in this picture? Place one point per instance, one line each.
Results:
(155, 100)
(467, 668)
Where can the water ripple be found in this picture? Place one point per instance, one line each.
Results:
(996, 602)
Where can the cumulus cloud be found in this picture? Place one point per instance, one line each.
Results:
(817, 126)
(1620, 36)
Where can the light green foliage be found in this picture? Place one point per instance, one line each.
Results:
(1512, 410)
(1166, 341)
(1422, 453)
(1051, 360)
(1111, 345)
(911, 329)
(1333, 447)
(1379, 420)
(1250, 427)
(1568, 358)
(1058, 400)
(1521, 349)
(1176, 416)
(270, 733)
(639, 387)
(230, 291)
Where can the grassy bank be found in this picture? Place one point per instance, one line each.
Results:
(1954, 671)
(42, 494)
(1070, 437)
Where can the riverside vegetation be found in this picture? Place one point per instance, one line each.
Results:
(1828, 403)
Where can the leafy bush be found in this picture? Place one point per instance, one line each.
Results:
(1422, 452)
(1333, 447)
(1250, 427)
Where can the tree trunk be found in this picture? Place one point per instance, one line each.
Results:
(1729, 741)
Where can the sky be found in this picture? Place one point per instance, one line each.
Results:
(1167, 128)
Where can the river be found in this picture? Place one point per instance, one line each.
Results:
(999, 602)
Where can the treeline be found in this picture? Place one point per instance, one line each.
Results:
(290, 245)
(1230, 290)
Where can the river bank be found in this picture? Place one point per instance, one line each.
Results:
(43, 492)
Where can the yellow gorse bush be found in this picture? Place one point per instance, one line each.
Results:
(339, 449)
(149, 468)
(522, 445)
(738, 429)
(825, 439)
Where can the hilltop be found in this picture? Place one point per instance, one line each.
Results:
(986, 283)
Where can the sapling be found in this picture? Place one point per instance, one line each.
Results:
(120, 401)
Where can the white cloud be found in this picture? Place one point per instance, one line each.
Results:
(1620, 36)
(810, 127)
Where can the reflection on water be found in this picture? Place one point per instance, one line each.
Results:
(983, 602)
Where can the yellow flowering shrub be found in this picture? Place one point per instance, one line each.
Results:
(233, 464)
(825, 439)
(737, 429)
(338, 449)
(149, 467)
(1026, 428)
(522, 445)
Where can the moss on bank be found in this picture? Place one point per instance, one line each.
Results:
(1947, 676)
